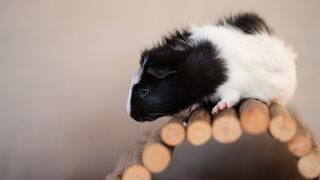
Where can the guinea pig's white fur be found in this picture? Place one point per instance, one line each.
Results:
(264, 69)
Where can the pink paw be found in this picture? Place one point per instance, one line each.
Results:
(223, 104)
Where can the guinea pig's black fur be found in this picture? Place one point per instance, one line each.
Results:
(174, 75)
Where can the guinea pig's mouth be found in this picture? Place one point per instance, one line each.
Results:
(147, 117)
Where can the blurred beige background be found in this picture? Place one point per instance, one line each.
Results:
(66, 66)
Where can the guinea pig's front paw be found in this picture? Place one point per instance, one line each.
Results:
(222, 104)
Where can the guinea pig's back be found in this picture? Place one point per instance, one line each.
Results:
(259, 64)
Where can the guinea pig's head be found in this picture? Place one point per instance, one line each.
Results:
(170, 80)
(157, 88)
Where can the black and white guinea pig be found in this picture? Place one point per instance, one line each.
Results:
(239, 57)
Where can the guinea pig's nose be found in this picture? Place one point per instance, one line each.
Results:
(136, 117)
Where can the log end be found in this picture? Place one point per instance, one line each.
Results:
(282, 126)
(254, 117)
(173, 134)
(198, 133)
(136, 172)
(309, 165)
(226, 127)
(300, 145)
(156, 157)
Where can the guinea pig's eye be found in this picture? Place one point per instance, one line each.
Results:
(143, 91)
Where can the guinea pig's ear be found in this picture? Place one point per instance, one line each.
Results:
(160, 72)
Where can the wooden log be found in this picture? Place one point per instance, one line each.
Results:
(121, 164)
(302, 142)
(174, 133)
(199, 127)
(254, 116)
(134, 169)
(156, 155)
(282, 126)
(130, 165)
(112, 176)
(136, 172)
(300, 145)
(309, 165)
(226, 127)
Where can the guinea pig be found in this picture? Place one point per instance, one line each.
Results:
(238, 57)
